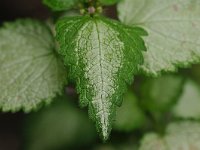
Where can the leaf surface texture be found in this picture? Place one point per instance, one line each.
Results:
(102, 57)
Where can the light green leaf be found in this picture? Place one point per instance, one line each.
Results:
(188, 105)
(58, 126)
(183, 135)
(173, 27)
(152, 141)
(129, 115)
(118, 146)
(102, 58)
(159, 94)
(59, 5)
(30, 70)
(109, 2)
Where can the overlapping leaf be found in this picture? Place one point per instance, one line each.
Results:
(102, 57)
(173, 27)
(59, 5)
(30, 70)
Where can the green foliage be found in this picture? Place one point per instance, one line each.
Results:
(31, 72)
(188, 105)
(159, 94)
(182, 135)
(59, 5)
(68, 124)
(129, 115)
(102, 57)
(109, 2)
(173, 28)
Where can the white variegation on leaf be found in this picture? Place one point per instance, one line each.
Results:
(102, 59)
(30, 70)
(174, 31)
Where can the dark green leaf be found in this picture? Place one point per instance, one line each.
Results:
(59, 5)
(109, 2)
(129, 115)
(102, 58)
(159, 94)
(58, 126)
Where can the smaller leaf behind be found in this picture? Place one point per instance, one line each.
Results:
(102, 58)
(59, 5)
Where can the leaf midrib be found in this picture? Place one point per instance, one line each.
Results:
(100, 64)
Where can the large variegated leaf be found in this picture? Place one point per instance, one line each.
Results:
(102, 57)
(30, 70)
(174, 31)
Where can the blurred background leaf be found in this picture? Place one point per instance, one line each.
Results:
(59, 126)
(129, 116)
(188, 105)
(159, 94)
(183, 135)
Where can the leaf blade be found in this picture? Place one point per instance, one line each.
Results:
(98, 55)
(173, 28)
(28, 65)
(60, 5)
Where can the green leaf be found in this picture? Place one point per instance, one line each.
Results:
(59, 5)
(159, 94)
(109, 2)
(173, 27)
(183, 135)
(188, 105)
(30, 70)
(194, 73)
(58, 126)
(102, 58)
(117, 146)
(129, 115)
